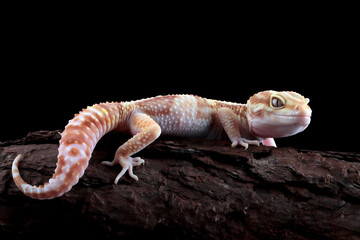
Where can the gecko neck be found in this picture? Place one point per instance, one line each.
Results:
(242, 112)
(244, 120)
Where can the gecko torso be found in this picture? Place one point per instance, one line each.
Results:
(265, 116)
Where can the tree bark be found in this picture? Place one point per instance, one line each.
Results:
(188, 189)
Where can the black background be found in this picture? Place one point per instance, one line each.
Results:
(54, 64)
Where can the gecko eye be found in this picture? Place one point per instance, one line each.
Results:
(277, 102)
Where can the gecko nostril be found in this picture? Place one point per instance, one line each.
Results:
(298, 108)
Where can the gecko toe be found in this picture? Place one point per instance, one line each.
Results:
(137, 161)
(252, 142)
(123, 171)
(107, 163)
(127, 164)
(132, 174)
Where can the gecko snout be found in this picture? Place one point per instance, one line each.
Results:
(303, 110)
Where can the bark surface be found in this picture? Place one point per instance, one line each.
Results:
(188, 189)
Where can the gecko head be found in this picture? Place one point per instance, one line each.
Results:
(278, 114)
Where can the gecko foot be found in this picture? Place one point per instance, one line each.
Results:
(127, 164)
(244, 142)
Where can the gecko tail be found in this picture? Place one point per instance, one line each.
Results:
(77, 143)
(49, 190)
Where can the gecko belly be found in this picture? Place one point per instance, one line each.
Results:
(185, 126)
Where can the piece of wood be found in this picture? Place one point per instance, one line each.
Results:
(188, 189)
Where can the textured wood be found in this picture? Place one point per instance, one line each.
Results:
(188, 189)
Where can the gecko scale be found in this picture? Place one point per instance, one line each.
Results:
(265, 116)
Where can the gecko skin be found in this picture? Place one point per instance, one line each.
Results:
(265, 116)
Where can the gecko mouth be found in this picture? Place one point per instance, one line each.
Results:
(280, 125)
(293, 116)
(290, 125)
(303, 119)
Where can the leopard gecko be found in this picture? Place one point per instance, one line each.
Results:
(265, 116)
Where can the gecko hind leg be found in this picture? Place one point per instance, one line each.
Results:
(145, 130)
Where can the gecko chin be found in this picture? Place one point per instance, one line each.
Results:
(278, 126)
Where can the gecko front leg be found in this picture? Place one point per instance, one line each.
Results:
(230, 123)
(145, 130)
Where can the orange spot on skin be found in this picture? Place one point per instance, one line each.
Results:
(74, 152)
(75, 171)
(59, 166)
